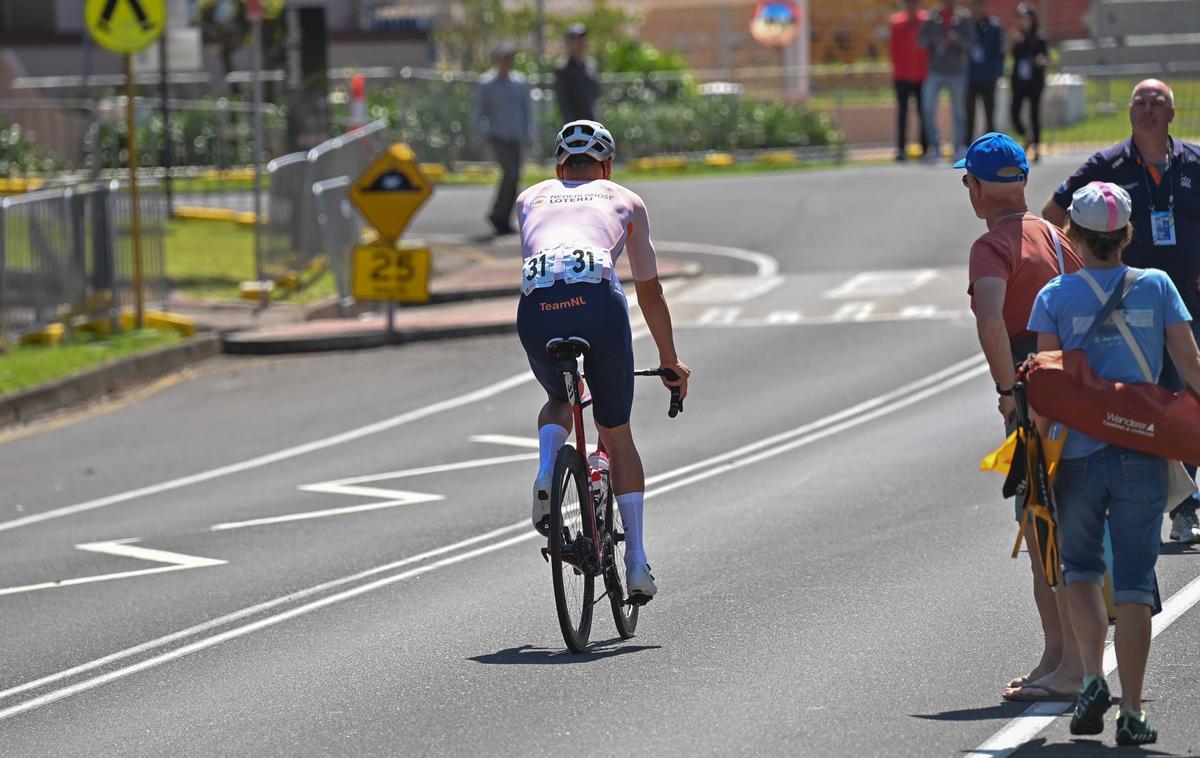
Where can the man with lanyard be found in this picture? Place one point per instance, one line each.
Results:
(1008, 266)
(584, 212)
(1162, 176)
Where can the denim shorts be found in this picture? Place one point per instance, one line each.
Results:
(1128, 489)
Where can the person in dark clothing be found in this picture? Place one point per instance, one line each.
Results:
(910, 64)
(503, 114)
(1030, 54)
(987, 66)
(576, 86)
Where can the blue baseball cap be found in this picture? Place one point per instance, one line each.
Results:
(995, 157)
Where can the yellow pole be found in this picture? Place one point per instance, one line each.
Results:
(135, 212)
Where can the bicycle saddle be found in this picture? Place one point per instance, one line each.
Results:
(567, 347)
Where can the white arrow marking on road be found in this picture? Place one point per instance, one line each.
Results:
(505, 439)
(123, 549)
(391, 499)
(881, 284)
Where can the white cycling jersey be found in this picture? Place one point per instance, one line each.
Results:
(597, 214)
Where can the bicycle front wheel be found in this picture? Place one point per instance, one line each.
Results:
(572, 545)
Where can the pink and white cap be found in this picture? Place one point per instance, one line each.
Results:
(1101, 207)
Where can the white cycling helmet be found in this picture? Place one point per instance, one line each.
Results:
(583, 137)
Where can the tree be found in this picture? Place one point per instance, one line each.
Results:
(223, 23)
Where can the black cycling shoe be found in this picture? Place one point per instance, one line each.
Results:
(1134, 729)
(1093, 701)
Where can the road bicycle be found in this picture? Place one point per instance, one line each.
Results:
(586, 536)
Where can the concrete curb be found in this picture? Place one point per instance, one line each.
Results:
(234, 344)
(108, 379)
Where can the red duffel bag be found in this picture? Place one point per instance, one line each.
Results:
(1061, 386)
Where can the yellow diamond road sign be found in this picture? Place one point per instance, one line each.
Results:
(390, 191)
(125, 26)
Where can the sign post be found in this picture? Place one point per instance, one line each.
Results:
(388, 194)
(126, 27)
(254, 13)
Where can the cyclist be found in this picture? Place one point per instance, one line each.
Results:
(573, 229)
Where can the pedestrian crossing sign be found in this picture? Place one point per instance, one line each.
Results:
(125, 26)
(391, 191)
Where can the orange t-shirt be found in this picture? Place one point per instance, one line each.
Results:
(1020, 251)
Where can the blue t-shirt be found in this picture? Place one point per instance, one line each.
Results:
(1067, 306)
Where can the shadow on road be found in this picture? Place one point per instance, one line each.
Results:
(1179, 548)
(1083, 747)
(526, 654)
(998, 711)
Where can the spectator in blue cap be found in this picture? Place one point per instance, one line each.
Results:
(1008, 266)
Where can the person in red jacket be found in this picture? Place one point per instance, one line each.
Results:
(910, 64)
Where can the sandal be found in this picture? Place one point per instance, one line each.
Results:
(1094, 700)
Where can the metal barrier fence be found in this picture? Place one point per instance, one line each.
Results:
(341, 227)
(293, 236)
(66, 254)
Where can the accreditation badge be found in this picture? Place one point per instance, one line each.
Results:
(1162, 228)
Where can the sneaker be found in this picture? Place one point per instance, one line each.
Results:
(1134, 729)
(1185, 526)
(541, 505)
(1093, 701)
(640, 581)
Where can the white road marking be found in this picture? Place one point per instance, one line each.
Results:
(475, 396)
(765, 265)
(855, 316)
(124, 549)
(784, 317)
(881, 284)
(919, 312)
(1038, 716)
(229, 618)
(506, 439)
(884, 404)
(718, 316)
(729, 289)
(391, 498)
(854, 312)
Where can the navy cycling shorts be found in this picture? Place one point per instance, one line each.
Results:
(598, 313)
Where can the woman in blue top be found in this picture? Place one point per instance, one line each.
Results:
(1098, 481)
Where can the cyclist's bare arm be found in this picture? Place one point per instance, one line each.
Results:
(658, 318)
(650, 296)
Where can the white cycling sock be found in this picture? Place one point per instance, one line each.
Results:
(630, 505)
(550, 438)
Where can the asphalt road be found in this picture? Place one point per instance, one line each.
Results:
(327, 563)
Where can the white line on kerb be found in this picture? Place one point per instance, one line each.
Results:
(872, 409)
(1038, 716)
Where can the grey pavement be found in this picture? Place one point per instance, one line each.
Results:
(845, 589)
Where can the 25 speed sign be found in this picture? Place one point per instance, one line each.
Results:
(382, 272)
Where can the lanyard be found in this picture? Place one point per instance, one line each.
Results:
(1166, 177)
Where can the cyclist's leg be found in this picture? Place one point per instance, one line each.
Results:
(554, 420)
(629, 485)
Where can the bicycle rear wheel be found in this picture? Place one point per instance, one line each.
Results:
(625, 615)
(572, 542)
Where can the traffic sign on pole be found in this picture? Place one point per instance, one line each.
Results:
(391, 191)
(125, 26)
(386, 273)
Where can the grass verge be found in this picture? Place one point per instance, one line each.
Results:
(207, 260)
(24, 367)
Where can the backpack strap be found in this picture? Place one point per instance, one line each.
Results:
(1112, 309)
(1062, 266)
